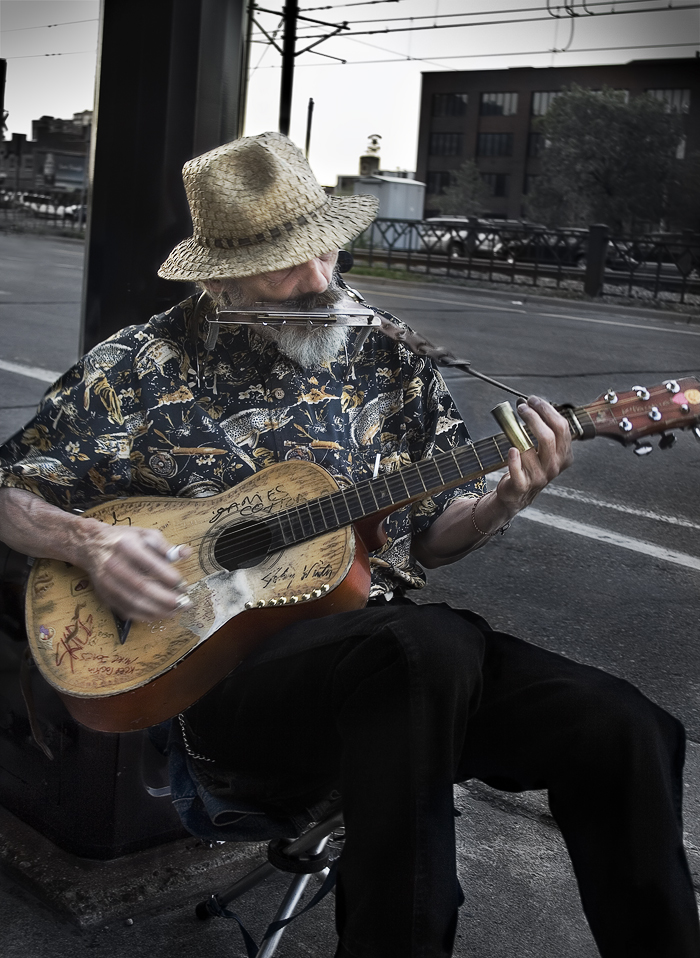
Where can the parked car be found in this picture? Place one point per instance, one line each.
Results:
(461, 236)
(565, 247)
(672, 251)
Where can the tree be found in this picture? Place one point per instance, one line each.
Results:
(467, 194)
(606, 159)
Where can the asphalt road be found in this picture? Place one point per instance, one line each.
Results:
(606, 570)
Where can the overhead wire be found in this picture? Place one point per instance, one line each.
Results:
(479, 13)
(490, 23)
(518, 53)
(42, 26)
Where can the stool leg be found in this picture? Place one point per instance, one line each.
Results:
(288, 904)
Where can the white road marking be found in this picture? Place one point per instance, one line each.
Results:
(564, 492)
(605, 535)
(612, 538)
(32, 372)
(543, 315)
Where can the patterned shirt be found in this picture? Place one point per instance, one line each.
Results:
(151, 412)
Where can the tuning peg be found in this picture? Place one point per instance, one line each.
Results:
(642, 448)
(667, 440)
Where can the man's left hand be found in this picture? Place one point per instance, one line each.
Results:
(529, 472)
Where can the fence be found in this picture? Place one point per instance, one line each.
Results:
(33, 213)
(663, 267)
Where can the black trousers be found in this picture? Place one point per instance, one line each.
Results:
(393, 704)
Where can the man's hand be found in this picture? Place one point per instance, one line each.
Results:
(531, 471)
(468, 523)
(132, 571)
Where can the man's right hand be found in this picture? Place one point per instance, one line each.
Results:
(132, 569)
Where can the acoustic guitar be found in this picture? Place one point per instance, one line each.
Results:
(285, 544)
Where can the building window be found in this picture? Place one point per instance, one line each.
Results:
(445, 144)
(437, 181)
(680, 149)
(677, 101)
(499, 104)
(449, 104)
(494, 144)
(496, 183)
(542, 100)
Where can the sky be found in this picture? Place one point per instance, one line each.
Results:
(50, 47)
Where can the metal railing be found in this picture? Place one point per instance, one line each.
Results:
(31, 212)
(657, 267)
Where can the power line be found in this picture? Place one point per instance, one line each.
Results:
(32, 56)
(522, 53)
(48, 26)
(491, 23)
(338, 6)
(479, 13)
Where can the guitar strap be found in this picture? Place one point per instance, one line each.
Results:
(417, 343)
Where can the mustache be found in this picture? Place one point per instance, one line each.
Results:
(231, 297)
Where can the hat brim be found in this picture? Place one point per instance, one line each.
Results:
(343, 218)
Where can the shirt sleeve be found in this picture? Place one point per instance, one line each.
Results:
(75, 451)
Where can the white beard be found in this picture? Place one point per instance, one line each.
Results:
(308, 348)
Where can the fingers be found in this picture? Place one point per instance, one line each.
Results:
(553, 436)
(529, 472)
(133, 572)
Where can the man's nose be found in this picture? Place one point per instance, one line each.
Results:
(313, 276)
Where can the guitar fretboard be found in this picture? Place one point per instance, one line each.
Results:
(384, 493)
(417, 481)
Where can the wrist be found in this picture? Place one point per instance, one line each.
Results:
(489, 517)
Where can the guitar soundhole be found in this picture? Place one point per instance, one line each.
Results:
(243, 546)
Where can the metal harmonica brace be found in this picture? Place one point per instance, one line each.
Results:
(269, 315)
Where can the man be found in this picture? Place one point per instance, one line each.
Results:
(390, 704)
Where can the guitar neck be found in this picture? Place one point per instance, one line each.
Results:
(389, 492)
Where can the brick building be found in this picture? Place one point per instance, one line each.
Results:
(491, 116)
(53, 162)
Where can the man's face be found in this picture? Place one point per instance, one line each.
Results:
(283, 285)
(307, 286)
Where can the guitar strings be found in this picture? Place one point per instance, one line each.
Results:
(476, 453)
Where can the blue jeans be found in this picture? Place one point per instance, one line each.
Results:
(392, 705)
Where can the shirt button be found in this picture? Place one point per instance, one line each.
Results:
(278, 393)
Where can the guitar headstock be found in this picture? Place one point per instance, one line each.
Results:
(630, 416)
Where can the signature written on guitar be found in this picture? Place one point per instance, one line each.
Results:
(252, 506)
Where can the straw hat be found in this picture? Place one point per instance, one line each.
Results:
(257, 207)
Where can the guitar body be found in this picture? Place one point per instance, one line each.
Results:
(165, 666)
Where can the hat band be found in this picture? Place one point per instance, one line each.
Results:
(228, 242)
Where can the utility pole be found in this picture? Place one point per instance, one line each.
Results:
(3, 71)
(291, 13)
(309, 118)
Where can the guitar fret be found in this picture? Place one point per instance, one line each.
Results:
(295, 523)
(316, 516)
(366, 497)
(424, 470)
(381, 492)
(283, 528)
(341, 509)
(329, 513)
